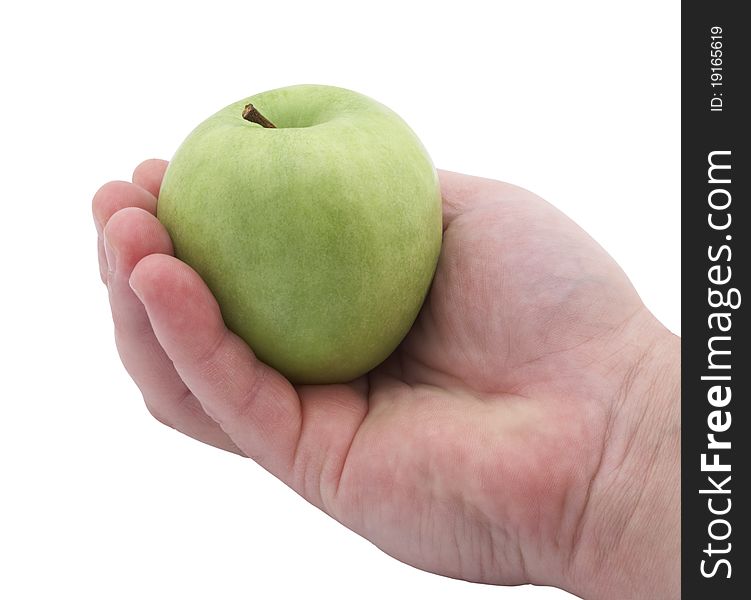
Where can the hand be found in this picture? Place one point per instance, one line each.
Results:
(526, 430)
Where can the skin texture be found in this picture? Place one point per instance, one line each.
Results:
(319, 238)
(526, 430)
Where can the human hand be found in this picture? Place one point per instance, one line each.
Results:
(526, 430)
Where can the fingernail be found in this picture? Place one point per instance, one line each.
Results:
(109, 251)
(135, 290)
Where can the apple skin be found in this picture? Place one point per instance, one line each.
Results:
(320, 238)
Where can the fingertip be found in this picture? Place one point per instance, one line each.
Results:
(103, 201)
(149, 174)
(183, 312)
(173, 293)
(145, 276)
(134, 233)
(116, 195)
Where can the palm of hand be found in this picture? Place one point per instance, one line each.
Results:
(486, 426)
(469, 452)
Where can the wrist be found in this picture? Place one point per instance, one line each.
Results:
(628, 545)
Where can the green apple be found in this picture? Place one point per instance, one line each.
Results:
(313, 213)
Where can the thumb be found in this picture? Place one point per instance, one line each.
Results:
(254, 404)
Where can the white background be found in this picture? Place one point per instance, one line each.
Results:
(578, 101)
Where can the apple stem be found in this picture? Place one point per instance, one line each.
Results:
(250, 113)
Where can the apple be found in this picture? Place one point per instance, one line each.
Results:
(313, 213)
